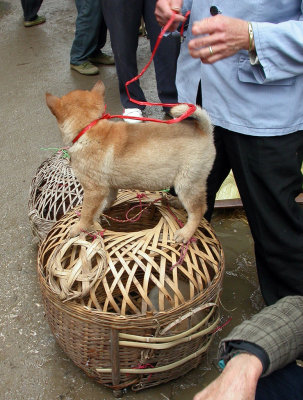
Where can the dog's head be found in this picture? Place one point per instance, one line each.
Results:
(77, 109)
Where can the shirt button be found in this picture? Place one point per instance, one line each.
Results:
(214, 10)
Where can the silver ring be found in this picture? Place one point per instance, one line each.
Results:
(210, 50)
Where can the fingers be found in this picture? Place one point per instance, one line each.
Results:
(206, 25)
(209, 50)
(209, 55)
(205, 41)
(218, 37)
(164, 10)
(209, 47)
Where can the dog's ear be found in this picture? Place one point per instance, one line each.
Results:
(99, 87)
(53, 103)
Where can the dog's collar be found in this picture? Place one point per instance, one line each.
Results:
(89, 126)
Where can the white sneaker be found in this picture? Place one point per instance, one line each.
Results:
(132, 112)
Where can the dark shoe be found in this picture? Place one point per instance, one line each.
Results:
(37, 21)
(102, 58)
(86, 68)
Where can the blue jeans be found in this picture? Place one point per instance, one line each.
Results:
(91, 31)
(284, 384)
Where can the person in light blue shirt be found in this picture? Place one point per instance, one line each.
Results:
(244, 62)
(261, 99)
(248, 57)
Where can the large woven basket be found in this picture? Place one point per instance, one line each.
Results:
(54, 190)
(132, 308)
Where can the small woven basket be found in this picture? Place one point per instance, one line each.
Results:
(132, 308)
(54, 190)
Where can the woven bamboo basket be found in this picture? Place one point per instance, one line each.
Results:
(54, 190)
(130, 306)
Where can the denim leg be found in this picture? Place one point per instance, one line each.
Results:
(88, 30)
(30, 9)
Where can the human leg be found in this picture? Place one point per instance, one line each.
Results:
(123, 19)
(268, 176)
(30, 9)
(88, 25)
(98, 56)
(102, 32)
(219, 172)
(165, 59)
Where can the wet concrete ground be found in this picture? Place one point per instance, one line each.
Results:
(33, 367)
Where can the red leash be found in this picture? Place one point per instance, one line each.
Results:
(191, 107)
(146, 103)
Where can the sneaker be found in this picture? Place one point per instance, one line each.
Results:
(86, 68)
(37, 21)
(132, 112)
(102, 58)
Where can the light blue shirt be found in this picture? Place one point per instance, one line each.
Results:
(260, 100)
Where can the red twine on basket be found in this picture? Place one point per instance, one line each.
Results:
(219, 328)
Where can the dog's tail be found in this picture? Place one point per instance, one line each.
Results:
(200, 115)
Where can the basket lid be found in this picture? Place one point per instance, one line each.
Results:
(132, 267)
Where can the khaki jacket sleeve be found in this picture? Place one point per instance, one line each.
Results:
(277, 329)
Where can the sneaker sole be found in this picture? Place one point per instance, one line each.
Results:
(28, 24)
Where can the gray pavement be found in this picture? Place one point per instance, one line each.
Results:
(33, 61)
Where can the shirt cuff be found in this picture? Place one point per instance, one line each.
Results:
(232, 348)
(253, 58)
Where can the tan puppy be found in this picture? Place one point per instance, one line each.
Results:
(148, 156)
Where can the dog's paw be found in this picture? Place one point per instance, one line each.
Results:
(96, 226)
(75, 230)
(79, 228)
(182, 235)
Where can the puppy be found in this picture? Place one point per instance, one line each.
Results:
(148, 156)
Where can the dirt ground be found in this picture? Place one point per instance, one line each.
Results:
(33, 367)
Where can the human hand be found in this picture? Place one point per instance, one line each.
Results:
(164, 10)
(238, 380)
(222, 37)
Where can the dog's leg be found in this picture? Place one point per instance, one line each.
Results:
(174, 202)
(194, 203)
(110, 199)
(92, 200)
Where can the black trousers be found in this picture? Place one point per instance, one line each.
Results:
(267, 171)
(283, 384)
(123, 19)
(30, 9)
